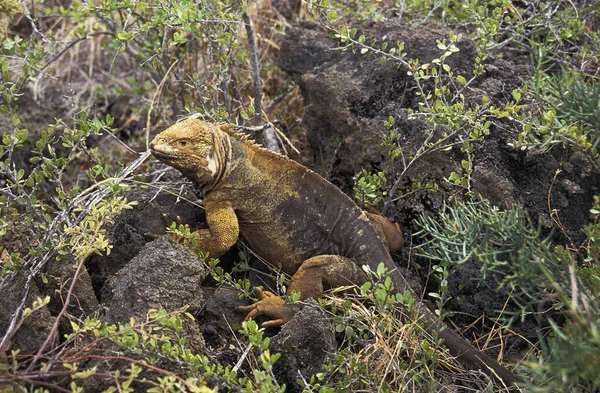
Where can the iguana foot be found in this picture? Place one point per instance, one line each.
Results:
(269, 305)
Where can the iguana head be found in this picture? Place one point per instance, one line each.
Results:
(195, 148)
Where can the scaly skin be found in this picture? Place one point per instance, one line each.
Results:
(388, 231)
(293, 218)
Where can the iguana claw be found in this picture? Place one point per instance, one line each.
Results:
(269, 305)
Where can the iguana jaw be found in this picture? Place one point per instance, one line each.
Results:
(161, 153)
(170, 155)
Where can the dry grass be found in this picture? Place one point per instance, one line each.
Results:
(398, 354)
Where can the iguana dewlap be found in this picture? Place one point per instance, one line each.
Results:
(291, 217)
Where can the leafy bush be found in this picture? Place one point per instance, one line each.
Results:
(538, 276)
(557, 106)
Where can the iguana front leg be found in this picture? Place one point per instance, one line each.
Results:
(315, 275)
(223, 229)
(272, 306)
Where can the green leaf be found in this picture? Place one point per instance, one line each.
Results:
(124, 35)
(364, 289)
(516, 95)
(461, 79)
(22, 135)
(380, 269)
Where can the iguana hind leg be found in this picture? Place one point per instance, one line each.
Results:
(271, 306)
(388, 231)
(315, 275)
(323, 272)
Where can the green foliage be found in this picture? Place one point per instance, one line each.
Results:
(553, 108)
(58, 190)
(498, 239)
(66, 219)
(535, 273)
(565, 28)
(160, 35)
(569, 112)
(442, 106)
(570, 109)
(592, 231)
(38, 304)
(220, 275)
(182, 232)
(383, 345)
(359, 11)
(264, 378)
(369, 188)
(189, 57)
(8, 8)
(88, 236)
(575, 99)
(189, 54)
(380, 289)
(147, 346)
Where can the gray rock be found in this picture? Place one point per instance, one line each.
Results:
(348, 96)
(220, 311)
(36, 327)
(305, 343)
(134, 228)
(163, 275)
(59, 275)
(497, 189)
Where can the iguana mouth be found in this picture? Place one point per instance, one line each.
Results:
(167, 156)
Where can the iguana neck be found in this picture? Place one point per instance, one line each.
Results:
(246, 163)
(221, 161)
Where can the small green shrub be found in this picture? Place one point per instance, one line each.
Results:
(150, 348)
(535, 274)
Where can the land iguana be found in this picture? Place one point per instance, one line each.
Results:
(293, 218)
